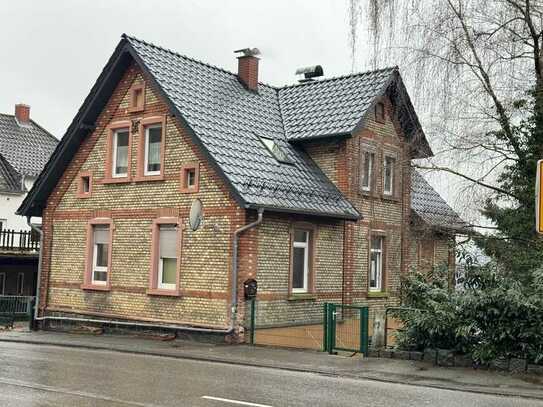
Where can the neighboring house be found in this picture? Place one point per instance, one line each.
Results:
(313, 178)
(434, 228)
(25, 147)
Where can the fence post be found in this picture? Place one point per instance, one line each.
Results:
(331, 328)
(253, 321)
(364, 327)
(325, 328)
(30, 311)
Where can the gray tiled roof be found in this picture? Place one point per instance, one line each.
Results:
(227, 119)
(25, 147)
(430, 207)
(330, 106)
(10, 181)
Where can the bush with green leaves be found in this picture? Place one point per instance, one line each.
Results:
(493, 316)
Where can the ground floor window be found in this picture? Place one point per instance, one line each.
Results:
(165, 256)
(2, 283)
(98, 263)
(301, 260)
(100, 254)
(20, 283)
(376, 263)
(167, 266)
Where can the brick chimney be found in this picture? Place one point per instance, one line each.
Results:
(22, 113)
(248, 67)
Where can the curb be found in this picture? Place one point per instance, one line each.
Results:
(400, 379)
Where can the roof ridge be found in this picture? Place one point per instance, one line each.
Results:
(198, 61)
(276, 87)
(334, 78)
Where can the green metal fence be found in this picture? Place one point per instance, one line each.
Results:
(345, 328)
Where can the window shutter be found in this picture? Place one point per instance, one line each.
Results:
(101, 234)
(168, 241)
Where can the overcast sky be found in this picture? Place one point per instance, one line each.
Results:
(53, 50)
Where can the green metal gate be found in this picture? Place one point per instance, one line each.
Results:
(345, 328)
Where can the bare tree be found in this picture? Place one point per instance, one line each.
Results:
(468, 63)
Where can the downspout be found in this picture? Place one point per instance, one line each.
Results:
(38, 280)
(235, 241)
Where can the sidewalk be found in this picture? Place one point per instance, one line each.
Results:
(387, 370)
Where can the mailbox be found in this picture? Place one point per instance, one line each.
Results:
(250, 289)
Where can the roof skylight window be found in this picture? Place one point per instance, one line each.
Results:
(275, 150)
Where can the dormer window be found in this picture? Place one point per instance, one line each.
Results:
(380, 112)
(275, 150)
(137, 97)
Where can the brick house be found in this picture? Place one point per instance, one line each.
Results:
(305, 188)
(25, 147)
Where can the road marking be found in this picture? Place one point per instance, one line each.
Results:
(243, 403)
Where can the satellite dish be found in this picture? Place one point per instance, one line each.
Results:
(196, 214)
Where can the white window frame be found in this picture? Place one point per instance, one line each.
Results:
(96, 268)
(20, 287)
(305, 246)
(379, 271)
(3, 280)
(146, 159)
(114, 173)
(188, 171)
(87, 183)
(160, 284)
(389, 192)
(371, 155)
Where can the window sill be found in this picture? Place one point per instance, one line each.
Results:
(83, 196)
(377, 294)
(163, 292)
(390, 198)
(135, 109)
(120, 180)
(144, 178)
(302, 297)
(95, 287)
(189, 190)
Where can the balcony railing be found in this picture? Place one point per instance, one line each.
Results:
(23, 240)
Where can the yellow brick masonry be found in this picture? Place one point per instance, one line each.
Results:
(336, 279)
(205, 258)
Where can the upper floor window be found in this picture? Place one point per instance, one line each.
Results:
(137, 97)
(388, 175)
(190, 177)
(120, 153)
(368, 159)
(376, 263)
(380, 112)
(84, 188)
(153, 147)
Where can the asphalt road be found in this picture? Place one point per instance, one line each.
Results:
(32, 375)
